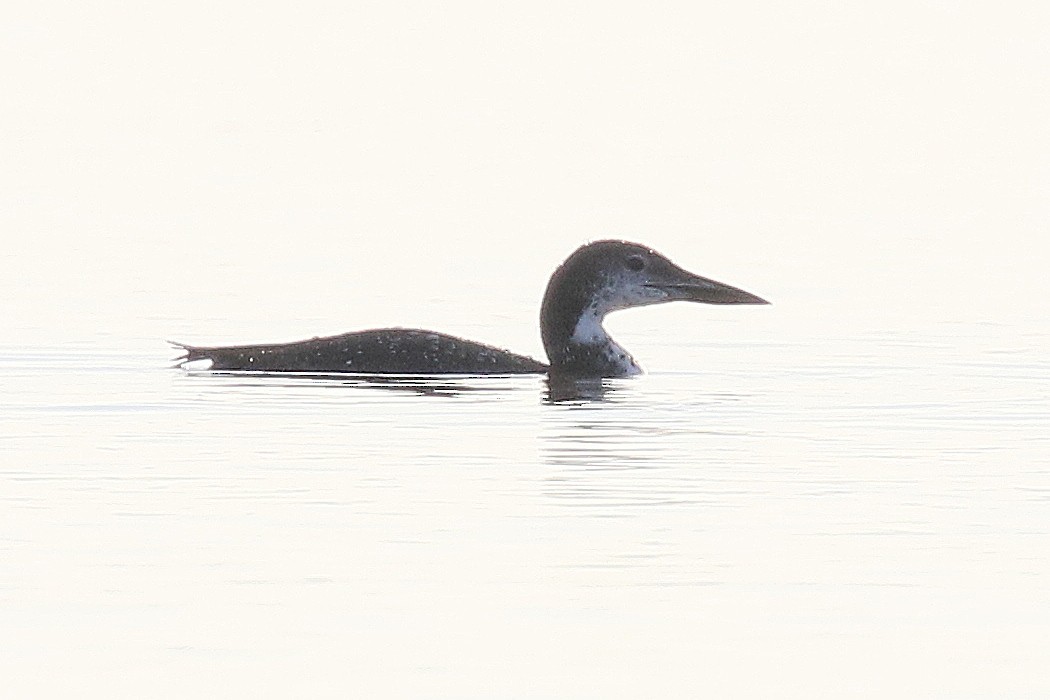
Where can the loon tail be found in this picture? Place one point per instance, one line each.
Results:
(190, 353)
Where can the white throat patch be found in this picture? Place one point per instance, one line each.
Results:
(589, 330)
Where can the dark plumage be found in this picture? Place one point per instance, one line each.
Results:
(380, 351)
(596, 279)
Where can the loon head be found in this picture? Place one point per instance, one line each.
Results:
(607, 276)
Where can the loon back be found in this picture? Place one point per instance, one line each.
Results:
(597, 279)
(380, 351)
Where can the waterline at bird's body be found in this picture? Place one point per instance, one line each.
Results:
(597, 279)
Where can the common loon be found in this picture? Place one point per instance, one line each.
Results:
(598, 278)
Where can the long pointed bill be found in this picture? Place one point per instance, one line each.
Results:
(705, 291)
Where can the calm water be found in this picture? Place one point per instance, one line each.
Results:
(845, 494)
(857, 516)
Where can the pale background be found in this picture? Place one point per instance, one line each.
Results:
(336, 165)
(842, 495)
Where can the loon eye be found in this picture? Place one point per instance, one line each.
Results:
(636, 263)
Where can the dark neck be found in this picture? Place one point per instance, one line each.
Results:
(573, 336)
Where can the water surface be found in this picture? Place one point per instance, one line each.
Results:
(845, 494)
(855, 503)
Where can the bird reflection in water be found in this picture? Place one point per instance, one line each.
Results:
(571, 390)
(559, 389)
(418, 385)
